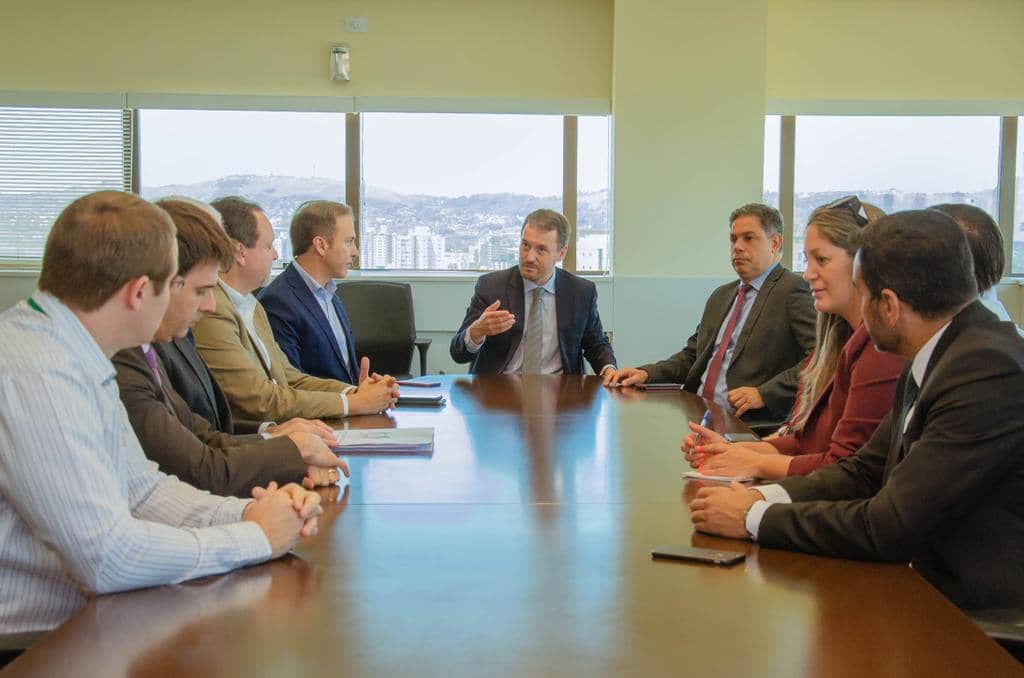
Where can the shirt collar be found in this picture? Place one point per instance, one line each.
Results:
(242, 302)
(759, 280)
(920, 362)
(329, 287)
(548, 287)
(69, 330)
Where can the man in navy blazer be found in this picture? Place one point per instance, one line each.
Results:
(534, 318)
(306, 316)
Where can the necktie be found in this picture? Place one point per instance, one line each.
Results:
(150, 356)
(910, 392)
(708, 391)
(534, 334)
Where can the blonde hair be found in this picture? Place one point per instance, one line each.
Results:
(840, 227)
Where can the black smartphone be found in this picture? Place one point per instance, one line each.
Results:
(420, 400)
(741, 437)
(695, 554)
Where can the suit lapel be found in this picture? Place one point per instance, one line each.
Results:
(517, 306)
(565, 298)
(759, 302)
(350, 339)
(191, 357)
(158, 385)
(723, 313)
(302, 292)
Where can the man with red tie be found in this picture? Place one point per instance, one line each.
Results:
(754, 332)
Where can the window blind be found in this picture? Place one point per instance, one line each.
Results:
(49, 157)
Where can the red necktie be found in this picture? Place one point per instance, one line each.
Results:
(708, 391)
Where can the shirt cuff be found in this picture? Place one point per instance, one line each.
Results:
(262, 430)
(605, 368)
(773, 494)
(471, 345)
(344, 403)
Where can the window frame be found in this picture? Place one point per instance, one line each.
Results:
(131, 104)
(1005, 179)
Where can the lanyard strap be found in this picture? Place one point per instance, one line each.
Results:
(34, 306)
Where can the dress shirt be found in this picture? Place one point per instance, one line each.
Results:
(775, 494)
(245, 304)
(551, 356)
(82, 511)
(992, 303)
(721, 387)
(324, 295)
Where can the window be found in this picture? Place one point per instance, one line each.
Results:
(593, 177)
(1017, 265)
(450, 191)
(772, 148)
(894, 162)
(277, 159)
(49, 157)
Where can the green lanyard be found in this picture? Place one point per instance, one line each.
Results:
(34, 306)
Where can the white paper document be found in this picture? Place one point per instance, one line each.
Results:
(697, 475)
(385, 440)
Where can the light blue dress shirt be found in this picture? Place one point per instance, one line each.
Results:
(324, 295)
(82, 511)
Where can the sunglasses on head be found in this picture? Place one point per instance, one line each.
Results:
(851, 204)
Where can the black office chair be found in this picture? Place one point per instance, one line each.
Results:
(381, 315)
(1005, 626)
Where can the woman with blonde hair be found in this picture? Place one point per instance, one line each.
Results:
(846, 385)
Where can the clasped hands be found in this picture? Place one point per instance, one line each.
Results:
(284, 514)
(719, 510)
(375, 393)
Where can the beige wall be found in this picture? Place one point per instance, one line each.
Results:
(415, 48)
(944, 50)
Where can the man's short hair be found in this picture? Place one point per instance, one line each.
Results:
(102, 241)
(771, 218)
(200, 238)
(922, 256)
(239, 216)
(984, 239)
(549, 220)
(315, 218)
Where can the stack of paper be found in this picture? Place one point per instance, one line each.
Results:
(385, 441)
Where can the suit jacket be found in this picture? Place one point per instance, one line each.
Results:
(191, 379)
(947, 495)
(256, 390)
(849, 408)
(183, 444)
(778, 333)
(302, 331)
(579, 325)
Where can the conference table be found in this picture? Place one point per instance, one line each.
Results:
(521, 546)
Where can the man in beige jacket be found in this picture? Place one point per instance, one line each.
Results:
(238, 346)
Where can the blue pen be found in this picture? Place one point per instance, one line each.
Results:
(705, 421)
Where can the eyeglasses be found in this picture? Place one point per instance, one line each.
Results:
(850, 203)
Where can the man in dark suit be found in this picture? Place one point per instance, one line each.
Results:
(534, 318)
(940, 482)
(306, 316)
(181, 442)
(754, 332)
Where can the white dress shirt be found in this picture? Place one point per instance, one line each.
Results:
(776, 494)
(245, 304)
(82, 511)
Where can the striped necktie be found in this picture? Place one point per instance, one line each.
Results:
(534, 334)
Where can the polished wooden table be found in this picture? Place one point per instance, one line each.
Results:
(521, 547)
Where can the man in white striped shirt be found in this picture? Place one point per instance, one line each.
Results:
(82, 511)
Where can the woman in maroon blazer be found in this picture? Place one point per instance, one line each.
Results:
(846, 386)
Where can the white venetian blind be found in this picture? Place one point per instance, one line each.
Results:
(49, 157)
